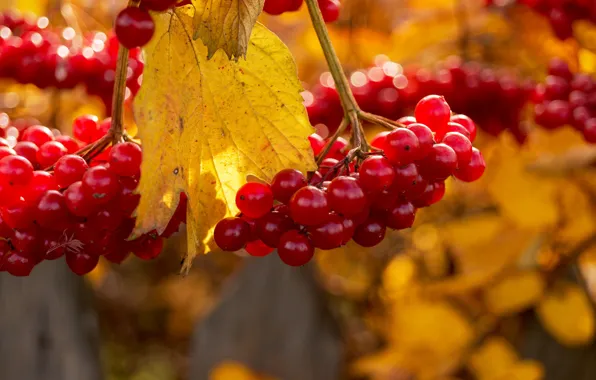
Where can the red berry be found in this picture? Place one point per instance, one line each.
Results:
(457, 128)
(439, 164)
(15, 171)
(295, 249)
(231, 234)
(317, 143)
(158, 5)
(28, 150)
(330, 10)
(405, 177)
(27, 242)
(406, 120)
(416, 188)
(102, 128)
(258, 249)
(18, 265)
(41, 182)
(49, 153)
(309, 206)
(38, 135)
(177, 219)
(461, 145)
(79, 202)
(18, 214)
(134, 27)
(346, 196)
(52, 212)
(286, 183)
(434, 112)
(376, 173)
(328, 235)
(6, 151)
(101, 184)
(370, 233)
(53, 248)
(379, 140)
(425, 137)
(402, 146)
(473, 169)
(69, 169)
(558, 67)
(71, 145)
(383, 200)
(349, 225)
(401, 216)
(81, 263)
(254, 199)
(589, 131)
(147, 247)
(467, 123)
(125, 159)
(271, 226)
(84, 128)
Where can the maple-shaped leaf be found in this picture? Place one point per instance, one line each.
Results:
(225, 24)
(206, 124)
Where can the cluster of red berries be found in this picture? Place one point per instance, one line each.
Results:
(329, 8)
(134, 26)
(81, 210)
(560, 13)
(346, 201)
(32, 53)
(493, 98)
(566, 98)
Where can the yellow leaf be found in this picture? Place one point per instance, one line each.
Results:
(567, 314)
(473, 230)
(39, 7)
(514, 293)
(523, 370)
(230, 370)
(225, 24)
(432, 334)
(493, 358)
(206, 124)
(399, 276)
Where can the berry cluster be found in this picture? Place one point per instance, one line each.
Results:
(566, 98)
(329, 8)
(357, 201)
(32, 53)
(81, 210)
(561, 13)
(493, 98)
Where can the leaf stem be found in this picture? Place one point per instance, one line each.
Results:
(342, 85)
(342, 127)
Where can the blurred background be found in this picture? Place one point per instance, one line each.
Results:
(495, 282)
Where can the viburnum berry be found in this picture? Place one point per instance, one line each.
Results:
(52, 212)
(84, 128)
(434, 112)
(295, 249)
(473, 170)
(71, 145)
(346, 196)
(52, 246)
(15, 170)
(18, 265)
(407, 120)
(28, 150)
(370, 233)
(26, 241)
(18, 214)
(38, 135)
(317, 143)
(440, 163)
(101, 183)
(258, 249)
(328, 235)
(405, 176)
(158, 5)
(79, 202)
(309, 206)
(147, 247)
(460, 144)
(401, 216)
(467, 123)
(41, 182)
(125, 159)
(379, 140)
(425, 137)
(330, 10)
(271, 226)
(286, 183)
(589, 131)
(376, 173)
(402, 146)
(49, 153)
(254, 199)
(81, 263)
(6, 151)
(134, 27)
(231, 234)
(458, 128)
(69, 169)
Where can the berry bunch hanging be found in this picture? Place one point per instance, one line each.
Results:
(330, 9)
(566, 98)
(561, 14)
(355, 195)
(77, 208)
(493, 98)
(33, 53)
